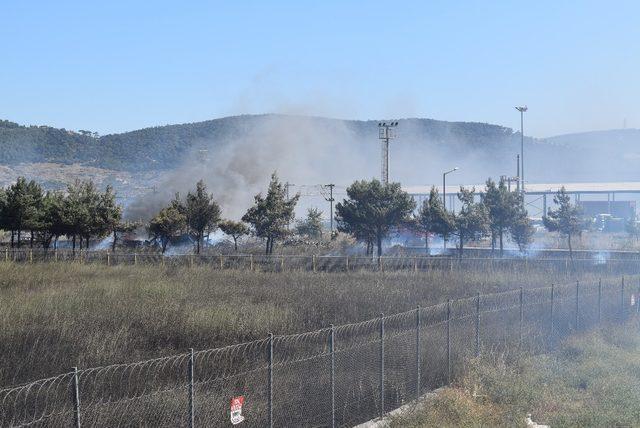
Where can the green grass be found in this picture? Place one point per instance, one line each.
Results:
(592, 380)
(56, 316)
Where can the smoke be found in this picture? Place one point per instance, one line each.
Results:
(301, 150)
(236, 162)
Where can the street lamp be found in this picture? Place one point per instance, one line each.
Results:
(522, 109)
(444, 187)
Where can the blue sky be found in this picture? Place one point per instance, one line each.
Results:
(120, 65)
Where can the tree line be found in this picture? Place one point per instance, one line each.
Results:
(81, 213)
(373, 210)
(370, 213)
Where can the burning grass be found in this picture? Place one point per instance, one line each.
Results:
(590, 381)
(56, 316)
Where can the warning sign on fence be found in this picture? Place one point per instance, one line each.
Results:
(236, 410)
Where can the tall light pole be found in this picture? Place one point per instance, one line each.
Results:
(444, 187)
(522, 109)
(386, 132)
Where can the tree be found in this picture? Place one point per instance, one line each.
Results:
(203, 213)
(270, 215)
(566, 219)
(170, 222)
(56, 222)
(108, 216)
(123, 227)
(34, 213)
(472, 221)
(79, 210)
(312, 225)
(502, 209)
(372, 209)
(4, 221)
(15, 208)
(433, 219)
(521, 230)
(235, 229)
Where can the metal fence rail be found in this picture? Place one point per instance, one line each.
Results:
(328, 263)
(336, 376)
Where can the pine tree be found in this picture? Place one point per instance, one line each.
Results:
(270, 215)
(503, 208)
(566, 219)
(372, 209)
(235, 229)
(203, 213)
(433, 219)
(170, 222)
(472, 221)
(311, 226)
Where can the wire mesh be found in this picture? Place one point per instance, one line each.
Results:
(343, 375)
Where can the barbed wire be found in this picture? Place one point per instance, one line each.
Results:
(331, 376)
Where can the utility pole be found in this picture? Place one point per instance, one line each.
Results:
(522, 109)
(385, 133)
(287, 185)
(330, 200)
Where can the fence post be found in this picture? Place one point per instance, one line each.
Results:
(418, 322)
(521, 316)
(346, 261)
(577, 305)
(192, 412)
(599, 300)
(30, 256)
(108, 259)
(313, 262)
(251, 262)
(552, 297)
(448, 341)
(478, 325)
(270, 381)
(6, 255)
(76, 398)
(622, 300)
(282, 264)
(381, 365)
(135, 259)
(221, 262)
(332, 349)
(638, 299)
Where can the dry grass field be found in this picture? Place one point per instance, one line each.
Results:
(59, 315)
(590, 381)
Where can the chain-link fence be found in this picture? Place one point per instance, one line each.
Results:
(311, 263)
(336, 376)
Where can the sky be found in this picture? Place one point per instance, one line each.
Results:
(122, 65)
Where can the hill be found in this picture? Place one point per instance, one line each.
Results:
(161, 147)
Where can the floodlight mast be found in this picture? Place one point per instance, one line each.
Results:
(385, 133)
(522, 110)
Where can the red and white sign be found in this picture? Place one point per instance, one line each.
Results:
(236, 410)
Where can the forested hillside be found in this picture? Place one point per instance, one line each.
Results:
(162, 147)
